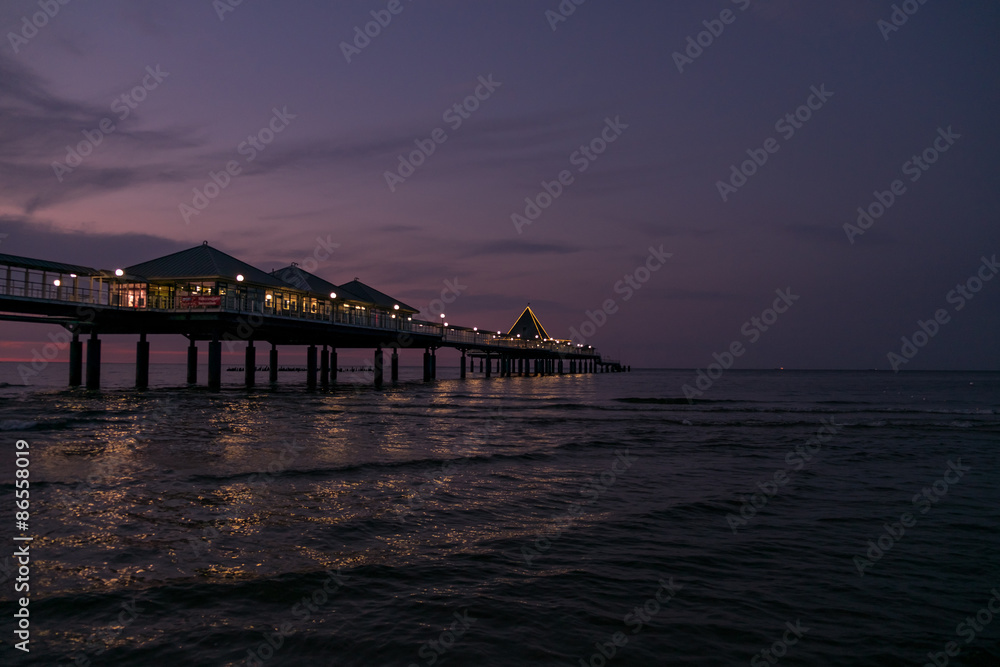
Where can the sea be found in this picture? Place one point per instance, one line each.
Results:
(779, 517)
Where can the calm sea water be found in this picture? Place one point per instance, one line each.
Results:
(553, 521)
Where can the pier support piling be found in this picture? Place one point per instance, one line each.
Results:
(379, 360)
(272, 368)
(395, 365)
(434, 364)
(324, 367)
(311, 367)
(75, 361)
(250, 365)
(215, 364)
(142, 363)
(333, 365)
(461, 366)
(94, 362)
(427, 365)
(192, 362)
(489, 365)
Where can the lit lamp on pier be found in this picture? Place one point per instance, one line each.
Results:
(118, 297)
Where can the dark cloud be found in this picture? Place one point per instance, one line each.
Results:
(38, 126)
(515, 247)
(30, 237)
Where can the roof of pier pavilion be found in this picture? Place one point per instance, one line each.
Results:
(203, 263)
(48, 267)
(380, 299)
(355, 290)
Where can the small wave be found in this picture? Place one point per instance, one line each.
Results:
(16, 425)
(381, 466)
(674, 401)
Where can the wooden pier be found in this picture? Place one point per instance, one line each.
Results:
(209, 296)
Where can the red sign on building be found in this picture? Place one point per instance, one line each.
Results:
(200, 301)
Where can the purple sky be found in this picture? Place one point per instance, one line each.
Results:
(323, 175)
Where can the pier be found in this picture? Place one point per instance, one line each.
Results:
(215, 299)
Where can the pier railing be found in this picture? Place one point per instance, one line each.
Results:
(96, 291)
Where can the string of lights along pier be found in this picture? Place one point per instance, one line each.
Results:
(209, 296)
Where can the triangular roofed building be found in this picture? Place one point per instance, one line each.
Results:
(528, 327)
